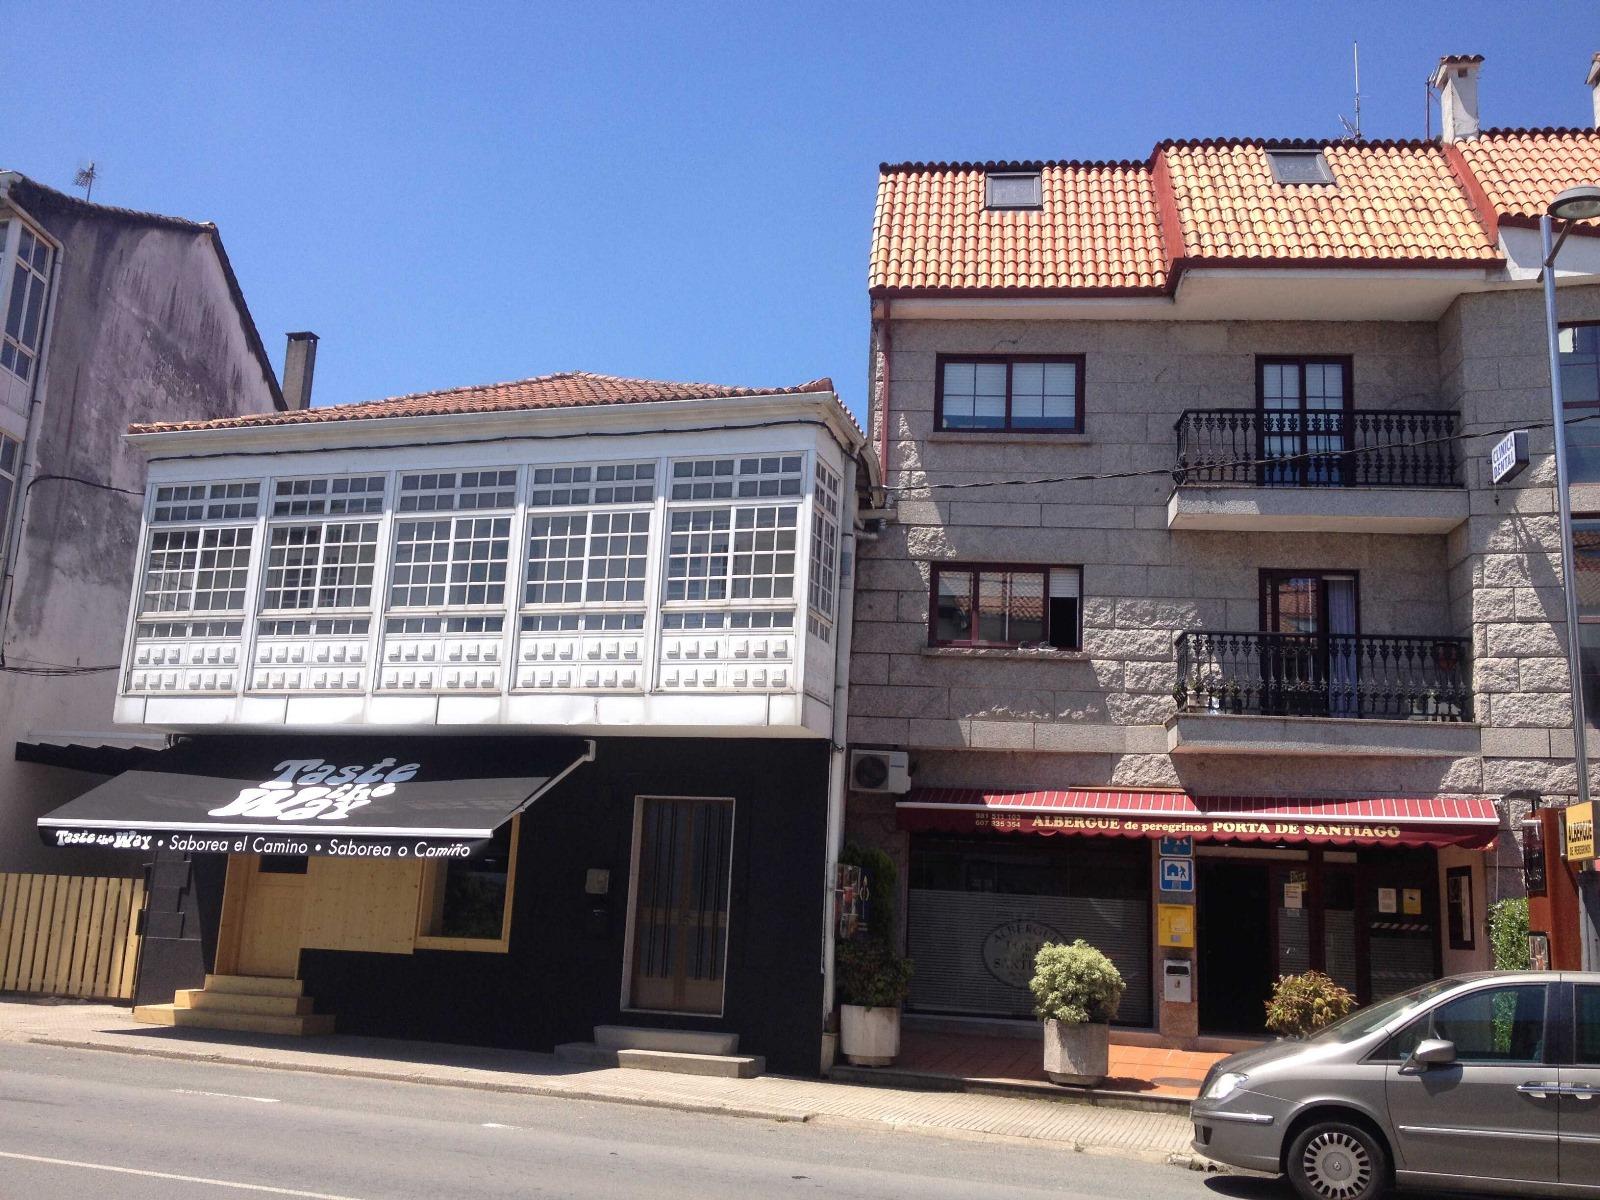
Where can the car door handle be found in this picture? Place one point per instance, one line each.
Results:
(1582, 1091)
(1539, 1091)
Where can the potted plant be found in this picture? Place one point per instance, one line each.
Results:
(1302, 1004)
(872, 981)
(1076, 991)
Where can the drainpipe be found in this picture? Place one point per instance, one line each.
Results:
(28, 467)
(883, 427)
(837, 765)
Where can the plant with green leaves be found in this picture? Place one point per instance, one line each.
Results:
(1508, 934)
(883, 882)
(870, 973)
(1075, 984)
(1302, 1004)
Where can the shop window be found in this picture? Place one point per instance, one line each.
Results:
(1005, 607)
(466, 903)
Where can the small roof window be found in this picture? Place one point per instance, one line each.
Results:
(1299, 166)
(1013, 189)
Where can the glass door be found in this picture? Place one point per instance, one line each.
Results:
(1303, 423)
(683, 864)
(1309, 664)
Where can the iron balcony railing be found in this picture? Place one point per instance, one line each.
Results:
(1377, 676)
(1251, 448)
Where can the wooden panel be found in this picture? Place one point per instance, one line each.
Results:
(69, 935)
(361, 904)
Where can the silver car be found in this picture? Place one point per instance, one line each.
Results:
(1482, 1083)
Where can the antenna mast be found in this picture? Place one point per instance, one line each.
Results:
(1353, 128)
(85, 179)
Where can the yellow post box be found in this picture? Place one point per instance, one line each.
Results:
(1175, 924)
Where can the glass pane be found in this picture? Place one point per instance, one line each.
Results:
(1296, 604)
(1587, 1050)
(1586, 565)
(19, 295)
(1025, 608)
(474, 900)
(992, 625)
(1504, 1024)
(953, 615)
(1280, 385)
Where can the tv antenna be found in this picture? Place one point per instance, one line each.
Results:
(1352, 129)
(85, 178)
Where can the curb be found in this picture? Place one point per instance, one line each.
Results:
(926, 1081)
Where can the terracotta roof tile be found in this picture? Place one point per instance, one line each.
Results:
(1098, 230)
(1392, 201)
(568, 389)
(1521, 170)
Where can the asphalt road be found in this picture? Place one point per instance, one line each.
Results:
(90, 1124)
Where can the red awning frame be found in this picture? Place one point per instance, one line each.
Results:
(1467, 821)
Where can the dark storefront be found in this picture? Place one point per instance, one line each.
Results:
(669, 882)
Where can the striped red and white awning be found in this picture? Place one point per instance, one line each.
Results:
(1469, 821)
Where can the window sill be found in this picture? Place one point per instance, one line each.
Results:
(1041, 437)
(478, 945)
(1051, 655)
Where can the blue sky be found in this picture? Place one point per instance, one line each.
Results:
(463, 193)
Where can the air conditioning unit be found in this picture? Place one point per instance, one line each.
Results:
(880, 771)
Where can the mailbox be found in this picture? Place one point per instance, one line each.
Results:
(1177, 981)
(1175, 925)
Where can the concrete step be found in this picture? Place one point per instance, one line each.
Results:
(255, 985)
(675, 1041)
(234, 1022)
(723, 1066)
(277, 1006)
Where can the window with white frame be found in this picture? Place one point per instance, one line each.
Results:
(824, 549)
(733, 551)
(450, 559)
(322, 564)
(206, 502)
(23, 300)
(595, 555)
(10, 466)
(199, 568)
(606, 483)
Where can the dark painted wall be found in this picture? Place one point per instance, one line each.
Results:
(563, 973)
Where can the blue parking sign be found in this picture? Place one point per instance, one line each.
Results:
(1177, 847)
(1177, 874)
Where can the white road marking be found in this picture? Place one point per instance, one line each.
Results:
(497, 1125)
(226, 1096)
(221, 1183)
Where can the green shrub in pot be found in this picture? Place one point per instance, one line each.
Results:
(1302, 1004)
(1075, 984)
(871, 974)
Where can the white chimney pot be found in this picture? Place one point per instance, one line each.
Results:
(1594, 87)
(1456, 81)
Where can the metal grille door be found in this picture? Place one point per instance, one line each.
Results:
(680, 916)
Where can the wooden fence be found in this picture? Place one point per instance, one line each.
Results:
(69, 935)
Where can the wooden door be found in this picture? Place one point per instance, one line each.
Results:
(680, 915)
(269, 918)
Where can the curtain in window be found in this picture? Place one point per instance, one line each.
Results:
(1343, 681)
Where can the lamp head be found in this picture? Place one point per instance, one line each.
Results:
(1576, 204)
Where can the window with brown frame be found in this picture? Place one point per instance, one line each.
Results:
(1580, 397)
(994, 394)
(1001, 606)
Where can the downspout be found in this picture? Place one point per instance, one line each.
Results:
(837, 775)
(28, 467)
(884, 339)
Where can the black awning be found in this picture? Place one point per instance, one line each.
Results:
(359, 796)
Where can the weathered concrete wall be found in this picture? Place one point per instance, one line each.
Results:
(145, 328)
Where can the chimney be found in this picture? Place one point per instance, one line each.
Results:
(1594, 87)
(299, 363)
(1456, 81)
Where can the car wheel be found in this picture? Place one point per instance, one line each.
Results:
(1334, 1160)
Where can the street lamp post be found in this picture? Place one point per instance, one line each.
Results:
(1574, 204)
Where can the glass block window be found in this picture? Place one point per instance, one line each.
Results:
(763, 552)
(196, 570)
(575, 558)
(206, 502)
(450, 561)
(457, 491)
(824, 541)
(737, 478)
(343, 497)
(23, 299)
(608, 483)
(321, 566)
(697, 554)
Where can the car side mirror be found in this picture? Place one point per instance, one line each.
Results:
(1432, 1052)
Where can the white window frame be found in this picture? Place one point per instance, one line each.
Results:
(733, 504)
(510, 513)
(12, 228)
(589, 509)
(367, 518)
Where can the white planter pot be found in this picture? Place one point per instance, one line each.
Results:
(869, 1037)
(1078, 1054)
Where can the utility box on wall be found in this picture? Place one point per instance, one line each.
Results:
(1177, 981)
(1175, 925)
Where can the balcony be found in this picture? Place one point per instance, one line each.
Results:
(1280, 693)
(1391, 471)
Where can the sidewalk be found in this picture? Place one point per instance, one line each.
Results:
(1150, 1136)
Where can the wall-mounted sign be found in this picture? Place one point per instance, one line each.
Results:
(1294, 895)
(1533, 857)
(1388, 900)
(1509, 456)
(1177, 847)
(1411, 902)
(1580, 832)
(1009, 949)
(1237, 829)
(1177, 874)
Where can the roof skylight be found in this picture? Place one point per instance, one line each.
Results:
(1300, 166)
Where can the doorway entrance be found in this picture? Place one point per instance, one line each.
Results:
(269, 916)
(683, 864)
(1235, 939)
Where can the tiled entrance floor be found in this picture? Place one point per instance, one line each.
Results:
(1145, 1069)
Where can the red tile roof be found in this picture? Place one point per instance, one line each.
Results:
(1131, 228)
(1098, 229)
(568, 389)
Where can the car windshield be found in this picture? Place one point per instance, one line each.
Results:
(1376, 1016)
